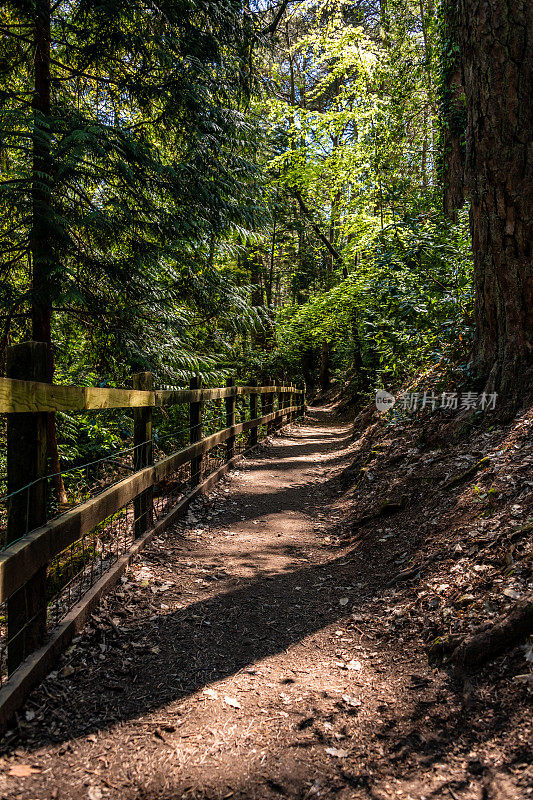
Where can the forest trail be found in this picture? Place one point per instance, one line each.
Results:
(242, 658)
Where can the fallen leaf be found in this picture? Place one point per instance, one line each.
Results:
(211, 693)
(354, 665)
(67, 671)
(336, 753)
(23, 770)
(351, 701)
(343, 601)
(231, 701)
(514, 595)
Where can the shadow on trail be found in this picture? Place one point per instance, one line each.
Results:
(204, 642)
(216, 637)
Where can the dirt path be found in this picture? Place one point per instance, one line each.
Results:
(243, 657)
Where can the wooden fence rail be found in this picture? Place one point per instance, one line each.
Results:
(28, 553)
(19, 561)
(19, 396)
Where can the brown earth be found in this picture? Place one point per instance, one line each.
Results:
(267, 647)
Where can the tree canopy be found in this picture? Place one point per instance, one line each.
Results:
(262, 188)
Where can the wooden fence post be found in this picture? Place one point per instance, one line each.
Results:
(195, 421)
(268, 406)
(261, 409)
(281, 405)
(143, 455)
(230, 421)
(26, 463)
(289, 403)
(253, 415)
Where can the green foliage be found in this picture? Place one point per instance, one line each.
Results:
(219, 202)
(150, 160)
(356, 131)
(407, 303)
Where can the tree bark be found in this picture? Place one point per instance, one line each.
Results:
(269, 283)
(41, 178)
(256, 266)
(496, 40)
(453, 115)
(334, 224)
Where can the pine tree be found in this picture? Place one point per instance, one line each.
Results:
(126, 151)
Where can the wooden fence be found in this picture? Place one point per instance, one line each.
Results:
(33, 541)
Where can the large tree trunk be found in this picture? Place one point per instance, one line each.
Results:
(496, 38)
(453, 115)
(259, 337)
(255, 279)
(334, 221)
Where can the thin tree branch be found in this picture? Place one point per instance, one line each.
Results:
(323, 238)
(271, 28)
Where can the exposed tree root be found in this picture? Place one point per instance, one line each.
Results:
(386, 509)
(494, 638)
(469, 473)
(411, 572)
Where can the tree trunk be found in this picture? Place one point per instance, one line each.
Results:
(258, 336)
(324, 239)
(496, 41)
(308, 369)
(41, 177)
(325, 378)
(270, 281)
(453, 115)
(40, 239)
(256, 289)
(357, 358)
(334, 225)
(423, 161)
